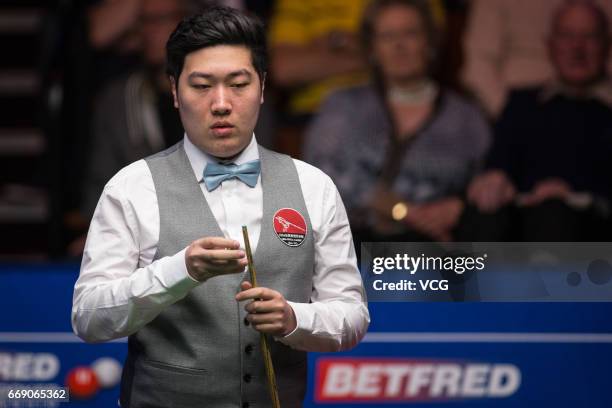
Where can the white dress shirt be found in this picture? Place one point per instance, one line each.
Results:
(120, 288)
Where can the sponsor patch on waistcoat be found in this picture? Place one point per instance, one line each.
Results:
(290, 227)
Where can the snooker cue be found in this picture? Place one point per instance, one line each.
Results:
(272, 388)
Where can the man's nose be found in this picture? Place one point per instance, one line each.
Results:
(221, 102)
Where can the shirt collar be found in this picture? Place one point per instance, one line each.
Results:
(199, 159)
(600, 91)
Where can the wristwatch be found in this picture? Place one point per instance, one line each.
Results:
(399, 211)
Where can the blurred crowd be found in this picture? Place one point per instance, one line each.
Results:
(481, 120)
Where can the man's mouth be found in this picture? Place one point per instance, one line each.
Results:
(222, 128)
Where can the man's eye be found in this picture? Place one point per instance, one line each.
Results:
(201, 86)
(240, 85)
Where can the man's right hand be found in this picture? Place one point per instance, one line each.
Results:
(212, 256)
(491, 190)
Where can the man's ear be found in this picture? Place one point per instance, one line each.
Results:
(263, 86)
(174, 87)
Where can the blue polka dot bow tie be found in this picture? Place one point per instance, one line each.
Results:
(215, 174)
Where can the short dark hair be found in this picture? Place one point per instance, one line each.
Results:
(216, 26)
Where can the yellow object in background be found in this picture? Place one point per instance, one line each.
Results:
(298, 22)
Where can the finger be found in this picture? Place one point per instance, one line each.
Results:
(218, 270)
(252, 293)
(245, 285)
(269, 328)
(222, 254)
(225, 266)
(217, 243)
(264, 306)
(228, 268)
(256, 293)
(265, 318)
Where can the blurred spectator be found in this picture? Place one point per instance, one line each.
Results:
(113, 23)
(504, 47)
(550, 168)
(134, 116)
(101, 43)
(114, 31)
(315, 48)
(114, 38)
(401, 150)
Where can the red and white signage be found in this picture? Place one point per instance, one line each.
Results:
(391, 380)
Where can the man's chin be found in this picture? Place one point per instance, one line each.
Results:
(228, 150)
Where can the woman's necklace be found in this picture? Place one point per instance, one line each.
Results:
(424, 93)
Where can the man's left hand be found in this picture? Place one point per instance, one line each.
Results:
(268, 311)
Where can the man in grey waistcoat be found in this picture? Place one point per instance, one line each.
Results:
(164, 261)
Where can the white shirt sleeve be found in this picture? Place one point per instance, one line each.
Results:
(113, 296)
(337, 317)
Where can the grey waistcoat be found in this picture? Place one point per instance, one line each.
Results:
(200, 351)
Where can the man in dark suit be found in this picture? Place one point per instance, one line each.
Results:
(548, 175)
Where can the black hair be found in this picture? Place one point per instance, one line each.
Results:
(216, 26)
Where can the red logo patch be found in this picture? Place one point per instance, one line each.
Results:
(290, 227)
